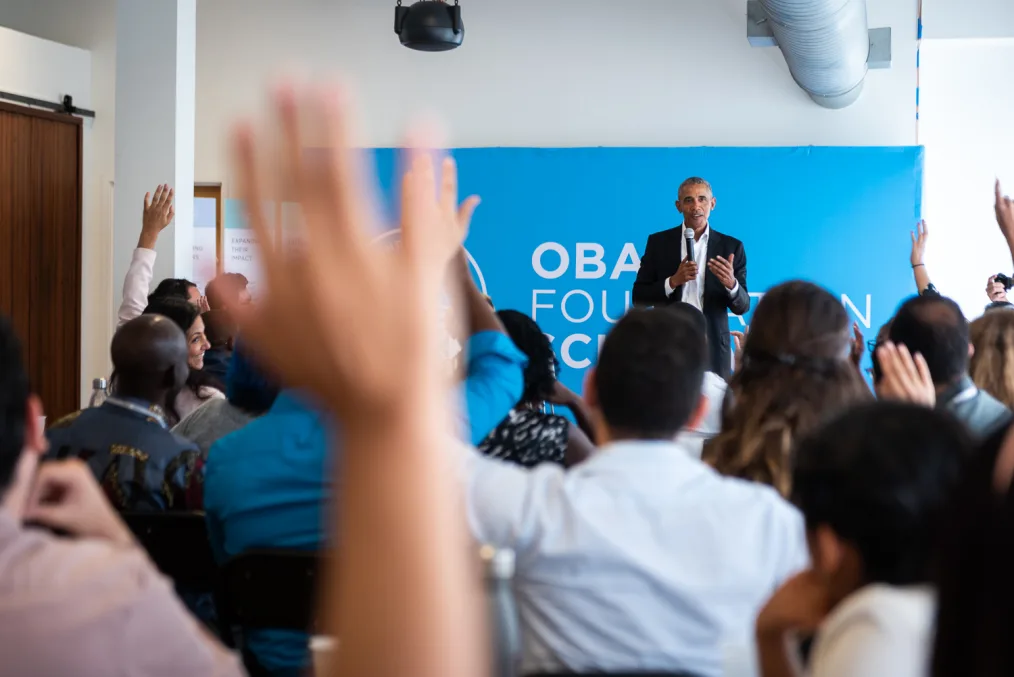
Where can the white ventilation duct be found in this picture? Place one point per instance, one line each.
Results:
(826, 44)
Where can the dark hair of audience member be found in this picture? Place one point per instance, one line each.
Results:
(540, 372)
(882, 335)
(178, 288)
(691, 313)
(975, 589)
(246, 386)
(881, 477)
(795, 374)
(934, 326)
(219, 328)
(222, 290)
(649, 375)
(149, 355)
(14, 394)
(184, 314)
(992, 363)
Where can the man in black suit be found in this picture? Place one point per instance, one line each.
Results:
(667, 275)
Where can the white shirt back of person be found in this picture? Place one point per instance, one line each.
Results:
(642, 558)
(878, 631)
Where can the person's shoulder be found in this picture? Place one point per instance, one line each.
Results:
(66, 421)
(897, 614)
(63, 565)
(730, 241)
(667, 233)
(757, 499)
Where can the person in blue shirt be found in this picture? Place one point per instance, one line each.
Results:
(264, 487)
(494, 377)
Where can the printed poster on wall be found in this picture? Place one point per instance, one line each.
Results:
(239, 251)
(205, 246)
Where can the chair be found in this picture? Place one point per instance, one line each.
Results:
(267, 589)
(270, 589)
(177, 543)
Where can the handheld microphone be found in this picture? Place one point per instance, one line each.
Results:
(688, 233)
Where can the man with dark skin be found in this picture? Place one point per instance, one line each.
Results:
(126, 441)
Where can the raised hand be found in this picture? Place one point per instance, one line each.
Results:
(353, 323)
(919, 236)
(686, 272)
(158, 214)
(1004, 208)
(903, 377)
(858, 345)
(722, 268)
(995, 290)
(739, 341)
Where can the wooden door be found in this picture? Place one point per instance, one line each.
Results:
(40, 247)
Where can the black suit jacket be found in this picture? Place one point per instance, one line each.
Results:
(661, 260)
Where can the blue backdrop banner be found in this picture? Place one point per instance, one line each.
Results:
(559, 232)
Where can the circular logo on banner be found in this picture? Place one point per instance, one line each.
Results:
(393, 237)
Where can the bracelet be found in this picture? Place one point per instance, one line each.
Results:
(916, 265)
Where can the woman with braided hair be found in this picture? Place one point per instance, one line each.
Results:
(529, 435)
(795, 374)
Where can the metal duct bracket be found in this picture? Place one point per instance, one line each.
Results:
(759, 33)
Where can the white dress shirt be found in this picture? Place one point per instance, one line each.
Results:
(642, 558)
(877, 631)
(693, 290)
(713, 391)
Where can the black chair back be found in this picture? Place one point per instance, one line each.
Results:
(177, 543)
(270, 589)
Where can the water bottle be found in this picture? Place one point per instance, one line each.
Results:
(498, 568)
(98, 393)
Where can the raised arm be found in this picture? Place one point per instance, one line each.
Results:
(358, 327)
(919, 237)
(157, 215)
(1005, 217)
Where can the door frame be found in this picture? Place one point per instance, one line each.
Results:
(77, 122)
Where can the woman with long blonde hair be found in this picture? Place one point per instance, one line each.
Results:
(992, 364)
(795, 372)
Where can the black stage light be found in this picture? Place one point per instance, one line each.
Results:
(429, 25)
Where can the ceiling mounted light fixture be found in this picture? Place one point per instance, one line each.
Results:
(429, 25)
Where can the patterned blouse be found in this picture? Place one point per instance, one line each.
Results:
(528, 437)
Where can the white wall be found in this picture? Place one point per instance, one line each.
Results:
(48, 70)
(966, 125)
(968, 19)
(88, 24)
(531, 72)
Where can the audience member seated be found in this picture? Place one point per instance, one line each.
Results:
(642, 558)
(494, 373)
(158, 214)
(63, 599)
(220, 330)
(529, 435)
(933, 326)
(266, 486)
(873, 486)
(227, 291)
(796, 372)
(200, 387)
(974, 592)
(713, 391)
(248, 394)
(126, 441)
(992, 363)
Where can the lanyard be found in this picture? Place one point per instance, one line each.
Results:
(137, 409)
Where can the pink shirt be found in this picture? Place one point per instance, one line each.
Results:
(90, 608)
